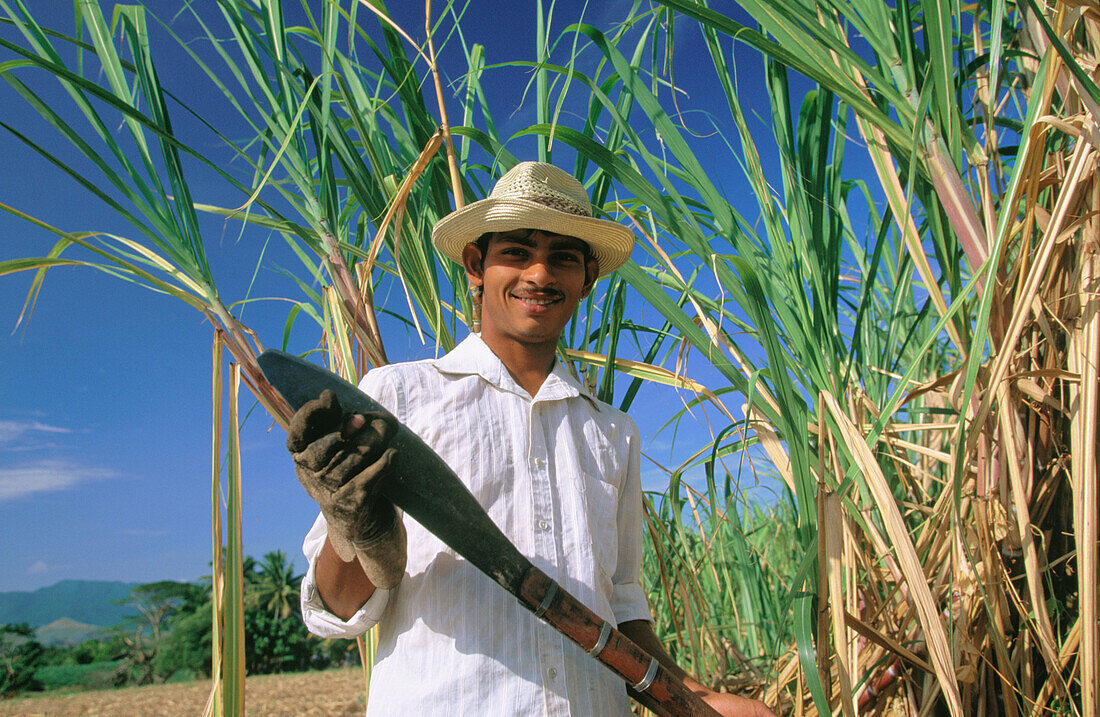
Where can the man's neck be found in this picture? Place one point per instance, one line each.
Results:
(528, 364)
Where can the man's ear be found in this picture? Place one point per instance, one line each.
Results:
(591, 273)
(474, 263)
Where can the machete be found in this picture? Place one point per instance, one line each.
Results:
(423, 486)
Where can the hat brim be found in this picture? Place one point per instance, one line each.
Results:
(610, 243)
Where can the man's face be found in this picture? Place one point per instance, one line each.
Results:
(532, 282)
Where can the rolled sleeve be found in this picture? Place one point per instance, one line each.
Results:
(317, 617)
(628, 599)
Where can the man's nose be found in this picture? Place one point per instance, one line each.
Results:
(538, 271)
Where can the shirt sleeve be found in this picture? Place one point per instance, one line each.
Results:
(317, 617)
(628, 600)
(386, 388)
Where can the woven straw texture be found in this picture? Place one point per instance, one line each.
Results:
(534, 195)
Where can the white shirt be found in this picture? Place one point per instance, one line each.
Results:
(559, 474)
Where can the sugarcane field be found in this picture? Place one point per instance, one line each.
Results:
(661, 357)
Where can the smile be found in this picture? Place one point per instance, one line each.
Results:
(539, 301)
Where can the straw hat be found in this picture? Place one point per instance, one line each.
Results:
(535, 195)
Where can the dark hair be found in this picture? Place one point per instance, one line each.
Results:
(482, 244)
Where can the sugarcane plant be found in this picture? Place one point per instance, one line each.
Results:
(929, 463)
(899, 327)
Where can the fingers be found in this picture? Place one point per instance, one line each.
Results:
(323, 454)
(352, 426)
(367, 436)
(362, 488)
(314, 419)
(347, 462)
(377, 427)
(366, 514)
(337, 457)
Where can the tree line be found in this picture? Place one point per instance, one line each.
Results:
(167, 637)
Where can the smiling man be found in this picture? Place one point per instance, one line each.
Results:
(528, 282)
(556, 470)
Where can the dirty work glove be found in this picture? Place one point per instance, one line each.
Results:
(341, 460)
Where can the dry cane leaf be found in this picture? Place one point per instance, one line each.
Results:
(908, 560)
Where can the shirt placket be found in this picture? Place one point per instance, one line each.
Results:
(551, 658)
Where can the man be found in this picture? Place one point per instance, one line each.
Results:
(555, 469)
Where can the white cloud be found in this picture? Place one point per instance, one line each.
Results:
(12, 431)
(46, 476)
(37, 568)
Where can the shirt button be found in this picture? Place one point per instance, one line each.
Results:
(552, 672)
(543, 525)
(538, 463)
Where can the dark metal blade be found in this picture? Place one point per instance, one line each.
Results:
(419, 481)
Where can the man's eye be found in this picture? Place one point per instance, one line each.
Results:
(566, 258)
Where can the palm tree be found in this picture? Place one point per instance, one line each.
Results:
(275, 586)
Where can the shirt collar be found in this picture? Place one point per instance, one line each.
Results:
(474, 357)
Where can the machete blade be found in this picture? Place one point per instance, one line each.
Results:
(419, 482)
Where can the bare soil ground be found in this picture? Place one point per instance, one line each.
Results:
(331, 692)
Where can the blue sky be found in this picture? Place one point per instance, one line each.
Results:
(105, 402)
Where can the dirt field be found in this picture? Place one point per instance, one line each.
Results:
(332, 692)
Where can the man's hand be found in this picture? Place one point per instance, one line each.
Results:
(341, 461)
(641, 632)
(733, 706)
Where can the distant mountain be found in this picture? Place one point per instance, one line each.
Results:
(83, 601)
(66, 632)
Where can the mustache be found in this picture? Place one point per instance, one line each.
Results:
(538, 294)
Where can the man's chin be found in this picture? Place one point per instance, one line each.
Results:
(542, 322)
(531, 335)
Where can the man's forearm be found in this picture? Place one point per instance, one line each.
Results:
(343, 586)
